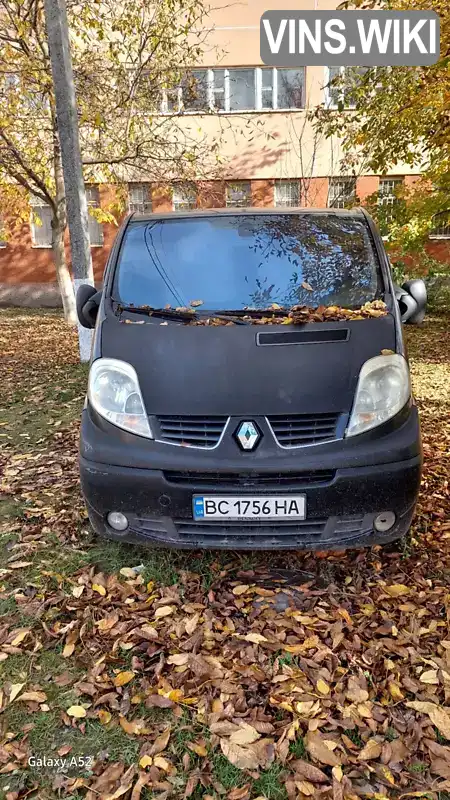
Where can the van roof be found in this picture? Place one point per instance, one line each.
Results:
(217, 212)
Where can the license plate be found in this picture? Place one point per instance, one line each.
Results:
(274, 507)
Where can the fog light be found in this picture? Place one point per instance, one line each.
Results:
(383, 522)
(117, 521)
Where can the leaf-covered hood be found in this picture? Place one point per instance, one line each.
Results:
(191, 370)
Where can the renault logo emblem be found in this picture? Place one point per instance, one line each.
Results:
(248, 435)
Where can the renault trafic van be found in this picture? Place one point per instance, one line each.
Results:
(249, 386)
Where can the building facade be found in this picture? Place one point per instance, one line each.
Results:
(270, 153)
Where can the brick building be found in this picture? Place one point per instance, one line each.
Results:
(270, 154)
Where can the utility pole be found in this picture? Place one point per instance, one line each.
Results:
(67, 121)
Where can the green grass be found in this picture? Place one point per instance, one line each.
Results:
(271, 783)
(226, 773)
(297, 748)
(391, 734)
(354, 736)
(418, 766)
(37, 410)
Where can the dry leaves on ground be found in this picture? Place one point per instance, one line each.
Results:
(324, 676)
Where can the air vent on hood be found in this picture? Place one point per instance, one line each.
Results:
(303, 337)
(295, 430)
(191, 431)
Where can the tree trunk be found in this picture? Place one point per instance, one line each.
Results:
(63, 272)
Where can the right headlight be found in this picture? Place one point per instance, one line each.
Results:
(114, 392)
(383, 389)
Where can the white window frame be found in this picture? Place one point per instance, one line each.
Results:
(144, 205)
(211, 91)
(187, 198)
(445, 228)
(287, 183)
(341, 179)
(228, 200)
(37, 203)
(389, 198)
(328, 99)
(94, 202)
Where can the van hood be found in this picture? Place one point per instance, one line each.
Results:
(241, 370)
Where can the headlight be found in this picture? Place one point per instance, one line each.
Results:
(383, 389)
(114, 393)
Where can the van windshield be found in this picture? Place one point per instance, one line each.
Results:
(231, 262)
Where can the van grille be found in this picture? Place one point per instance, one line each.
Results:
(191, 431)
(251, 479)
(295, 430)
(311, 527)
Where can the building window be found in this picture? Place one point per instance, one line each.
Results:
(340, 85)
(287, 194)
(95, 228)
(441, 226)
(341, 192)
(238, 194)
(184, 197)
(387, 195)
(241, 89)
(41, 222)
(194, 91)
(236, 89)
(139, 200)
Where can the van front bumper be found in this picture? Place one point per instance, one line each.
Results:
(342, 502)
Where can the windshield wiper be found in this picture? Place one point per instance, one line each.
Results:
(183, 316)
(164, 313)
(254, 312)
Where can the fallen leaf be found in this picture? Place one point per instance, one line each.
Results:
(15, 689)
(396, 589)
(123, 678)
(20, 637)
(179, 659)
(430, 676)
(164, 611)
(437, 715)
(76, 711)
(246, 734)
(310, 772)
(97, 587)
(240, 757)
(160, 742)
(319, 751)
(256, 638)
(322, 687)
(35, 697)
(371, 750)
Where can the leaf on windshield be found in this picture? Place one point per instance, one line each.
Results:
(196, 303)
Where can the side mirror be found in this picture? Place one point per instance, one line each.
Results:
(417, 289)
(88, 301)
(412, 301)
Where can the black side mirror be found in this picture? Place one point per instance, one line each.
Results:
(417, 289)
(88, 301)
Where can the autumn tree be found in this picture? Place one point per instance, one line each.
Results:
(124, 54)
(401, 115)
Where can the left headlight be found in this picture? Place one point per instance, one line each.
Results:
(114, 392)
(383, 389)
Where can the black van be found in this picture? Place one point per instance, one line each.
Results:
(249, 386)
